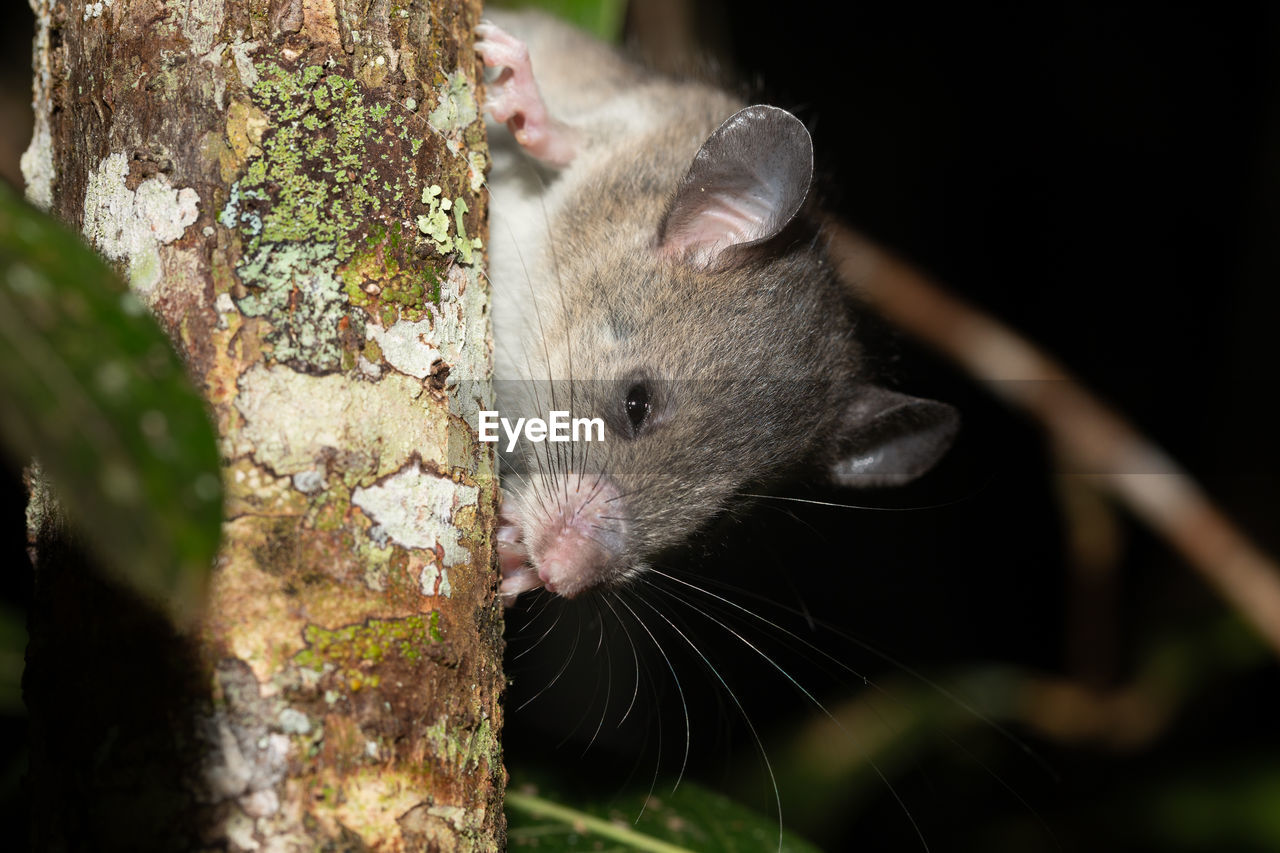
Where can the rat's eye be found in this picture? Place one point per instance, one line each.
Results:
(637, 406)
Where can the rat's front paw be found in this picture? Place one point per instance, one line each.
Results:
(514, 94)
(514, 99)
(513, 559)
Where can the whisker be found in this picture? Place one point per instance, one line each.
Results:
(635, 657)
(545, 634)
(764, 755)
(688, 730)
(805, 691)
(563, 667)
(595, 690)
(608, 685)
(859, 506)
(967, 707)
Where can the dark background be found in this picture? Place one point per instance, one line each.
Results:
(1104, 179)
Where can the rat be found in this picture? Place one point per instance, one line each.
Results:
(658, 264)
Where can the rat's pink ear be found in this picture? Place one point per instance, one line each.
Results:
(887, 438)
(746, 183)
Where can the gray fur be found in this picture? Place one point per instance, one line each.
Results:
(751, 356)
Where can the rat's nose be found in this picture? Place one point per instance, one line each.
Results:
(578, 533)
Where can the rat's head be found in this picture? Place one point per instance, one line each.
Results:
(716, 354)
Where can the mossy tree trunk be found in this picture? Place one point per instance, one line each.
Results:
(294, 187)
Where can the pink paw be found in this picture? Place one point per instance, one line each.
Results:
(513, 559)
(515, 100)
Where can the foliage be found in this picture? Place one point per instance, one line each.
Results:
(601, 18)
(688, 818)
(90, 387)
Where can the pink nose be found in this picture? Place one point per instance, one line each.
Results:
(578, 533)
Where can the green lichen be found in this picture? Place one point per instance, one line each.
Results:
(433, 282)
(328, 510)
(462, 748)
(296, 287)
(456, 104)
(314, 159)
(435, 224)
(356, 651)
(307, 208)
(385, 280)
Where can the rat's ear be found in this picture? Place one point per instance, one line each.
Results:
(886, 438)
(746, 183)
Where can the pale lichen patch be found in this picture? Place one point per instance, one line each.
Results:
(308, 482)
(293, 421)
(416, 509)
(239, 829)
(406, 346)
(240, 51)
(37, 161)
(443, 215)
(464, 345)
(297, 290)
(294, 722)
(130, 225)
(455, 107)
(476, 164)
(200, 21)
(434, 580)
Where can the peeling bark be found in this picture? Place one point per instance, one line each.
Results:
(294, 188)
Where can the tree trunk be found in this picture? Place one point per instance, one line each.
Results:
(294, 187)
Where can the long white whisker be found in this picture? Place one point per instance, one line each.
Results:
(995, 725)
(635, 657)
(764, 755)
(563, 667)
(856, 506)
(804, 690)
(608, 686)
(536, 643)
(688, 730)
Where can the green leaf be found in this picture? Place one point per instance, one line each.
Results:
(688, 819)
(90, 386)
(601, 18)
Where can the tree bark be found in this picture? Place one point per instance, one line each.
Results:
(294, 188)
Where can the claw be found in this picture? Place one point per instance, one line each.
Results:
(513, 559)
(514, 98)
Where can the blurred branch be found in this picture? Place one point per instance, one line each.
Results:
(1087, 433)
(841, 760)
